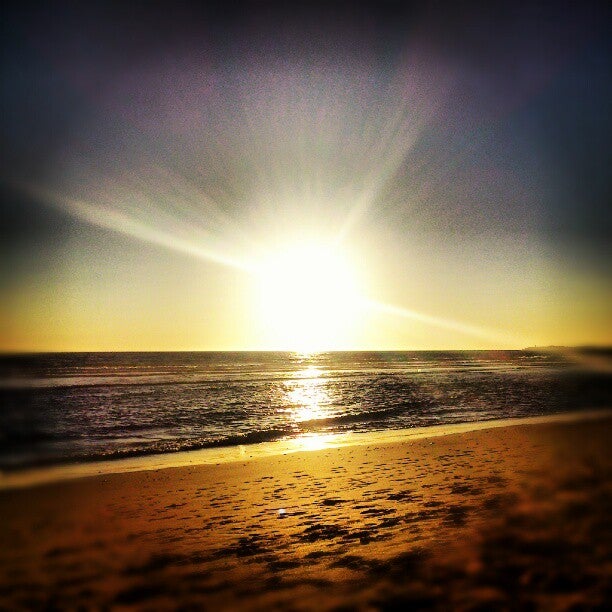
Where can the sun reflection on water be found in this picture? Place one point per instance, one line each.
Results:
(308, 399)
(307, 396)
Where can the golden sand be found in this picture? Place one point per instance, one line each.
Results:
(509, 517)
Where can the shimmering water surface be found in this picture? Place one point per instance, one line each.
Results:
(86, 406)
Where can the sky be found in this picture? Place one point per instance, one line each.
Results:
(243, 176)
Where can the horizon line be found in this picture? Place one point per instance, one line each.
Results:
(549, 347)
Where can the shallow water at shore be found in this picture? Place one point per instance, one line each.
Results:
(15, 479)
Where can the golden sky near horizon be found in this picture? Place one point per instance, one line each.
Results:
(128, 295)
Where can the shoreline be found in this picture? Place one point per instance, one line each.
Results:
(33, 477)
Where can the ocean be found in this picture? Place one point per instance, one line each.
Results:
(80, 407)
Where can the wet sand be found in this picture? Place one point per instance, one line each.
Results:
(515, 517)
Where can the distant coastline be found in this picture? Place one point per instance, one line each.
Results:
(602, 349)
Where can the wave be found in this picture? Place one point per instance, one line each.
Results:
(157, 448)
(371, 416)
(240, 439)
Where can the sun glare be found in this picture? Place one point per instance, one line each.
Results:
(309, 299)
(307, 396)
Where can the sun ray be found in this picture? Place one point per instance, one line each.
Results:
(412, 103)
(122, 222)
(475, 331)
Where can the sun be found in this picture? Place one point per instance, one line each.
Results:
(309, 298)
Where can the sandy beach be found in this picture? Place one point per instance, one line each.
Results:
(514, 517)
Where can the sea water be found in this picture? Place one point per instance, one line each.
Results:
(79, 407)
